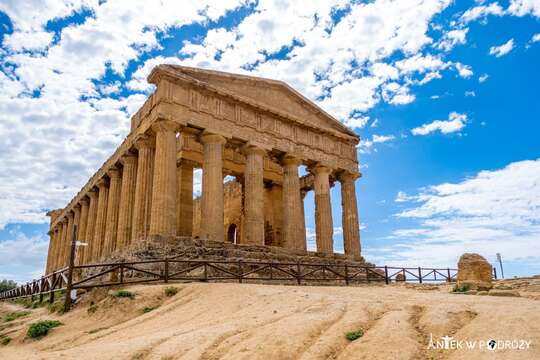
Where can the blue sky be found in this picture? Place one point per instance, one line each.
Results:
(443, 94)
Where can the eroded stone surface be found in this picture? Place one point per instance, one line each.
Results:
(474, 271)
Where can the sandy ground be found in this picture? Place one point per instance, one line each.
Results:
(247, 321)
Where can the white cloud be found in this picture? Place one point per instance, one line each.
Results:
(535, 38)
(493, 211)
(53, 142)
(403, 197)
(27, 256)
(365, 146)
(382, 138)
(503, 49)
(483, 78)
(524, 7)
(34, 41)
(465, 71)
(455, 122)
(366, 36)
(481, 12)
(470, 93)
(357, 122)
(453, 38)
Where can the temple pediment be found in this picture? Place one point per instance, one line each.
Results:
(271, 94)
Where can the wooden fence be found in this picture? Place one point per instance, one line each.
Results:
(173, 269)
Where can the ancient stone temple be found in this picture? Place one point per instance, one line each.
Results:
(253, 130)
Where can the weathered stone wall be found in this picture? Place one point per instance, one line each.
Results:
(185, 248)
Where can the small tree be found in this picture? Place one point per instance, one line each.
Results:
(7, 285)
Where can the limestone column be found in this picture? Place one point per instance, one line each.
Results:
(324, 228)
(90, 226)
(82, 230)
(349, 213)
(68, 239)
(127, 199)
(254, 196)
(59, 245)
(101, 218)
(212, 187)
(50, 251)
(184, 198)
(113, 203)
(54, 258)
(143, 188)
(163, 215)
(303, 244)
(76, 223)
(292, 233)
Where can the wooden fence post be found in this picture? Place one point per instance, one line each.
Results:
(240, 271)
(420, 274)
(41, 289)
(495, 272)
(449, 276)
(298, 273)
(346, 275)
(386, 274)
(51, 290)
(67, 302)
(166, 272)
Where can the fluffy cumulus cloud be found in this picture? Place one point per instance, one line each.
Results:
(455, 122)
(26, 254)
(503, 49)
(524, 7)
(327, 58)
(73, 72)
(493, 211)
(366, 146)
(58, 121)
(67, 95)
(482, 12)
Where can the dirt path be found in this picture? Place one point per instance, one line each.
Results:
(232, 321)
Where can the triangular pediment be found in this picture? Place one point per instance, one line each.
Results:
(272, 94)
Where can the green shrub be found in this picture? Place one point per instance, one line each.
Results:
(56, 307)
(4, 340)
(461, 289)
(41, 328)
(171, 291)
(124, 293)
(353, 335)
(7, 285)
(15, 315)
(92, 308)
(147, 309)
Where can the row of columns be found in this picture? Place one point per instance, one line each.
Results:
(153, 196)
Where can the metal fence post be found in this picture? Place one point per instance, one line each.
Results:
(346, 275)
(386, 274)
(298, 273)
(420, 274)
(495, 272)
(449, 276)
